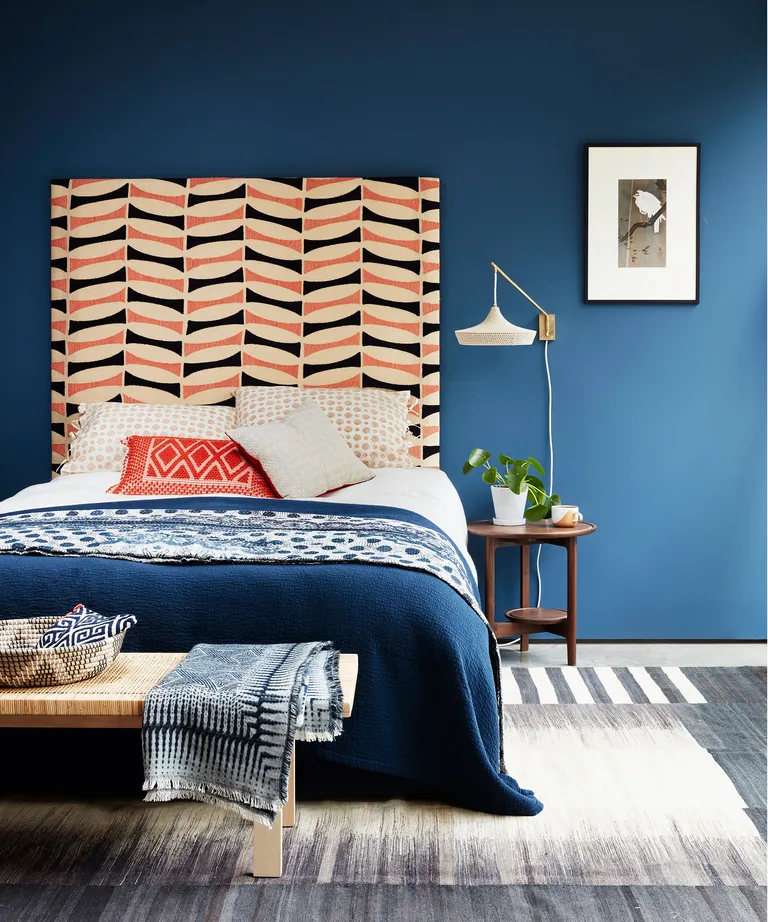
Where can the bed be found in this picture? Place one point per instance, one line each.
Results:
(380, 568)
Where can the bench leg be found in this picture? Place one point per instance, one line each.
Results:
(289, 810)
(268, 843)
(268, 849)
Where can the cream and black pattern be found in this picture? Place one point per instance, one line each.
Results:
(220, 727)
(182, 290)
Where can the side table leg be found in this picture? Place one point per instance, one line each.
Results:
(490, 582)
(570, 624)
(525, 588)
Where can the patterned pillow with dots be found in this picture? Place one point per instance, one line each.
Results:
(373, 421)
(97, 442)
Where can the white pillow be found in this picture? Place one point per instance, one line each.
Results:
(373, 421)
(97, 443)
(303, 455)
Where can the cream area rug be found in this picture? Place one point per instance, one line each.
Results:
(654, 810)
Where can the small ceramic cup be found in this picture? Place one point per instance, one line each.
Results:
(566, 516)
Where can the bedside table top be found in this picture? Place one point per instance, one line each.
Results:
(531, 530)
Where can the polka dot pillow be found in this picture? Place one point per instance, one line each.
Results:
(97, 444)
(373, 421)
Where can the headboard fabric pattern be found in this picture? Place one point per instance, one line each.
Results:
(167, 290)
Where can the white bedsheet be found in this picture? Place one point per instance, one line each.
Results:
(426, 491)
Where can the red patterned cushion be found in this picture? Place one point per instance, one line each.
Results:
(163, 465)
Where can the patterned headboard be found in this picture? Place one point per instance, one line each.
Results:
(169, 290)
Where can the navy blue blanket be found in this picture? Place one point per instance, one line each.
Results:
(426, 706)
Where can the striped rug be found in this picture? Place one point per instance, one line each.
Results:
(601, 685)
(655, 795)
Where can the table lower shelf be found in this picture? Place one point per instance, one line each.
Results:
(536, 616)
(524, 621)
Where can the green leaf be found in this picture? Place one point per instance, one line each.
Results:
(478, 457)
(536, 466)
(535, 496)
(536, 513)
(489, 476)
(533, 480)
(466, 468)
(505, 459)
(515, 480)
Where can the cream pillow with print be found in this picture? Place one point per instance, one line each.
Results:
(373, 421)
(303, 455)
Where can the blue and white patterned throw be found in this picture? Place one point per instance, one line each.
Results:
(221, 726)
(177, 535)
(83, 626)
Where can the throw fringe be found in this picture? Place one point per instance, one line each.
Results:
(248, 806)
(337, 695)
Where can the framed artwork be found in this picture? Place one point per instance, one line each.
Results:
(642, 224)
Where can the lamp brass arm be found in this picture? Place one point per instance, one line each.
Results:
(546, 322)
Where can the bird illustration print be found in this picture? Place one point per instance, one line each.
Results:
(648, 205)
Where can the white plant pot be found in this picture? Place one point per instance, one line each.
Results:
(508, 506)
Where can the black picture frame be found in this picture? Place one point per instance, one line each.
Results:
(602, 145)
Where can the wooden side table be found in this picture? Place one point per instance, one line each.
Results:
(526, 620)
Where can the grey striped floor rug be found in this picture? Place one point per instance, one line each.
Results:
(604, 685)
(654, 812)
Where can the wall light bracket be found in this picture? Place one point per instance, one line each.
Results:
(547, 327)
(546, 321)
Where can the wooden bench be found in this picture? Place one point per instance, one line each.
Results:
(116, 699)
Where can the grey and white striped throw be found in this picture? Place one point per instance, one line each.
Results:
(221, 726)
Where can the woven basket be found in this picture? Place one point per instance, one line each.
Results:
(23, 665)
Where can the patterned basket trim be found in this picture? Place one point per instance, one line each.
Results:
(23, 664)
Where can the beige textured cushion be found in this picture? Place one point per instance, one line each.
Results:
(303, 455)
(97, 444)
(373, 421)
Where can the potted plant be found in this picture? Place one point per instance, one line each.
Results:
(512, 487)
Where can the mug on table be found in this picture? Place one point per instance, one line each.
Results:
(566, 516)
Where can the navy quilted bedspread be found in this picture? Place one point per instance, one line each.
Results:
(383, 583)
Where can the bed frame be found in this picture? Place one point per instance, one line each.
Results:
(182, 290)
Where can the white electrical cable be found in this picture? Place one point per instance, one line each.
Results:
(551, 465)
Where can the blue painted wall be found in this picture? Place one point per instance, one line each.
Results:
(660, 411)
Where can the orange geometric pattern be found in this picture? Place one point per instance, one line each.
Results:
(182, 290)
(166, 466)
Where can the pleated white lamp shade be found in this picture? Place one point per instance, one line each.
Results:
(495, 330)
